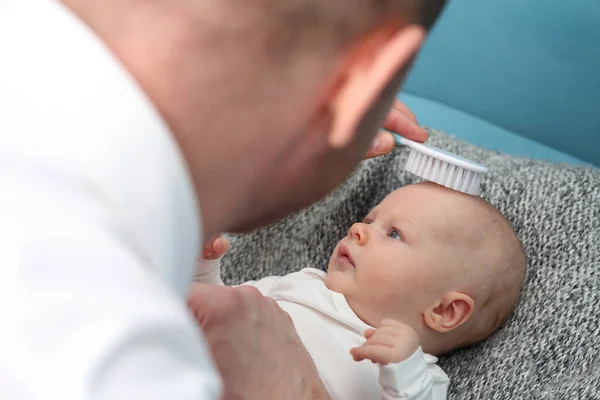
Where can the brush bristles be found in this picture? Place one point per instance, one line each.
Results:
(443, 173)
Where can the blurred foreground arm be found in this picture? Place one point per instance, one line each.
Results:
(255, 345)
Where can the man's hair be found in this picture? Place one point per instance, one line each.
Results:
(428, 12)
(286, 26)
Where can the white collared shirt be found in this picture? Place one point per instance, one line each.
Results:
(99, 227)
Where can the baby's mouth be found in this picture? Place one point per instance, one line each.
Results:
(344, 255)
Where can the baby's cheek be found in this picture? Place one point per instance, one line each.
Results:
(383, 287)
(433, 277)
(394, 272)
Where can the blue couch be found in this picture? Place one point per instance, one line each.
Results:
(519, 76)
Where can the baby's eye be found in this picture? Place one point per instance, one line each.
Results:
(394, 234)
(367, 221)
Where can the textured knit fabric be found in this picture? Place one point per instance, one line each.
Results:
(550, 348)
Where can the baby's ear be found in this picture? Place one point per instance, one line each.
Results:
(450, 312)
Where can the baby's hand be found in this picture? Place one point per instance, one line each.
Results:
(215, 248)
(392, 342)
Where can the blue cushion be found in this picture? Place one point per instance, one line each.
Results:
(527, 67)
(481, 133)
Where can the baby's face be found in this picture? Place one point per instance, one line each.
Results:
(403, 256)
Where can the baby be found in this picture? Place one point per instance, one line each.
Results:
(428, 271)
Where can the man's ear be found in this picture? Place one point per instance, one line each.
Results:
(370, 67)
(453, 310)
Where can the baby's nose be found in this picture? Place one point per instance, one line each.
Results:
(358, 232)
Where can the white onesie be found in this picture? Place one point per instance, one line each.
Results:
(329, 328)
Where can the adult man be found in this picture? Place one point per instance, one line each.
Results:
(124, 123)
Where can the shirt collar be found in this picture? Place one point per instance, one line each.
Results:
(69, 107)
(341, 304)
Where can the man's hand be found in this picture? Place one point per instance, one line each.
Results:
(215, 248)
(255, 345)
(392, 342)
(402, 121)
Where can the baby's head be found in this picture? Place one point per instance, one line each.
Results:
(445, 263)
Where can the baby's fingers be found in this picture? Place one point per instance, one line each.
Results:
(220, 246)
(215, 248)
(376, 353)
(389, 339)
(369, 332)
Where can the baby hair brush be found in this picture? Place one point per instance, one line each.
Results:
(441, 167)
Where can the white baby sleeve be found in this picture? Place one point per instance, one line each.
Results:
(413, 379)
(208, 272)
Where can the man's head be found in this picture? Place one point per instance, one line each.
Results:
(272, 102)
(445, 263)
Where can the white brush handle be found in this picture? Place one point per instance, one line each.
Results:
(401, 141)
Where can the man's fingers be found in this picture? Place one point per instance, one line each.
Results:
(206, 299)
(253, 340)
(401, 121)
(382, 144)
(404, 125)
(200, 299)
(398, 105)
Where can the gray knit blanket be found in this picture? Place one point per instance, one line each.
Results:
(550, 348)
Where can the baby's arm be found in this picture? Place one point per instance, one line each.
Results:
(413, 378)
(404, 372)
(208, 268)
